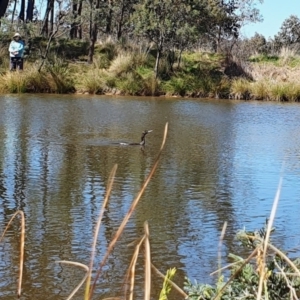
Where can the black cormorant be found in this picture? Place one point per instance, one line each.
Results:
(141, 143)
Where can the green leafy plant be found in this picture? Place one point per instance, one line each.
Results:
(279, 274)
(166, 289)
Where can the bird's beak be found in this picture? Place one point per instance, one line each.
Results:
(149, 130)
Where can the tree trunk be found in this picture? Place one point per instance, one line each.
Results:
(74, 27)
(52, 18)
(22, 10)
(158, 56)
(79, 33)
(109, 18)
(3, 7)
(120, 23)
(13, 12)
(29, 11)
(93, 39)
(44, 31)
(93, 31)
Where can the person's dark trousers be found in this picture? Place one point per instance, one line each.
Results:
(16, 63)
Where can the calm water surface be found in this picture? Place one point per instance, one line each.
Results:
(222, 162)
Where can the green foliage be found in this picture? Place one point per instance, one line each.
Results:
(245, 281)
(289, 33)
(198, 291)
(257, 44)
(69, 49)
(130, 84)
(264, 58)
(177, 85)
(166, 289)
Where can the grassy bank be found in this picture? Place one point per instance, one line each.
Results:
(126, 70)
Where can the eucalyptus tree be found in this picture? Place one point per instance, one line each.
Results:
(122, 11)
(151, 21)
(98, 11)
(164, 23)
(289, 33)
(227, 17)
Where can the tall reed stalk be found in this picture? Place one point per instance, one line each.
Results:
(108, 191)
(128, 215)
(22, 243)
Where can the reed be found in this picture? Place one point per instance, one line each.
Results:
(22, 244)
(133, 262)
(86, 268)
(147, 263)
(129, 213)
(262, 260)
(287, 54)
(97, 229)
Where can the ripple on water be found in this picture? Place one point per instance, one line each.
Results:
(222, 162)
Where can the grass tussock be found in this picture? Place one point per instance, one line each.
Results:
(239, 89)
(94, 81)
(54, 78)
(269, 90)
(260, 90)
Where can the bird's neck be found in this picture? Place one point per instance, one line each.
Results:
(143, 139)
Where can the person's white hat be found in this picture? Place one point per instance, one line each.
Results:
(17, 34)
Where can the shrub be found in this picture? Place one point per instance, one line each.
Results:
(176, 86)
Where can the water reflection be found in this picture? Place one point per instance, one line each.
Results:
(222, 162)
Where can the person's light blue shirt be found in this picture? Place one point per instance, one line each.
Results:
(16, 46)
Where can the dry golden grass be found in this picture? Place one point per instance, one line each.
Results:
(239, 89)
(122, 63)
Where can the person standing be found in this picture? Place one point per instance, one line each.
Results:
(16, 50)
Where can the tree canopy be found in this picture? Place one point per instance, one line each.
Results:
(167, 24)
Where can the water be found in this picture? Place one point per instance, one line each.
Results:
(222, 162)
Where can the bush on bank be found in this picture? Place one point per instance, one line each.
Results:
(126, 70)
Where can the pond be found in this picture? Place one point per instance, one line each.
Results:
(222, 161)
